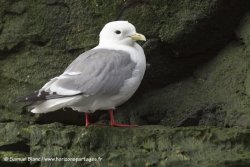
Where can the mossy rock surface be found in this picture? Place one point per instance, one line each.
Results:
(193, 103)
(141, 146)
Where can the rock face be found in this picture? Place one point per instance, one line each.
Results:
(193, 103)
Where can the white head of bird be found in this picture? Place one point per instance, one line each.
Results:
(120, 32)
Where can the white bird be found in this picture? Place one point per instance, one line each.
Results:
(99, 79)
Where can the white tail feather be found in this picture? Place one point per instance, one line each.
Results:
(54, 104)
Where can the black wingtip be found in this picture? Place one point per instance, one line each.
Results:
(31, 97)
(34, 97)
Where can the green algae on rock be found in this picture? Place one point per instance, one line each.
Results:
(142, 146)
(199, 76)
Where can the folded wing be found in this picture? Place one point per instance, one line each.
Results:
(95, 72)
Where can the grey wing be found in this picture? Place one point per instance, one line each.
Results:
(98, 71)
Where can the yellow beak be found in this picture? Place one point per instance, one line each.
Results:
(138, 37)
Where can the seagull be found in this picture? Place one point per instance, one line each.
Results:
(99, 79)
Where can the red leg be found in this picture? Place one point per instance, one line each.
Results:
(113, 123)
(87, 122)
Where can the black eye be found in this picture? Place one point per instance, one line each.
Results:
(117, 32)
